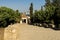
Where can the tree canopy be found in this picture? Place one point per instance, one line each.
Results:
(8, 16)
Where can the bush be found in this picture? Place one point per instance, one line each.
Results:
(8, 16)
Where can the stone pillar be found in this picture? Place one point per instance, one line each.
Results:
(20, 21)
(26, 21)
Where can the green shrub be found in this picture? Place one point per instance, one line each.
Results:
(8, 16)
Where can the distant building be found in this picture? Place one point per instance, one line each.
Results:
(24, 18)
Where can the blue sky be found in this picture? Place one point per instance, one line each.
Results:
(22, 5)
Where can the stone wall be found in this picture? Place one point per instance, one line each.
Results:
(10, 33)
(1, 33)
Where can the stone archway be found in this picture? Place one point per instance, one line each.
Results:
(24, 20)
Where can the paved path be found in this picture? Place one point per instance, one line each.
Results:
(29, 32)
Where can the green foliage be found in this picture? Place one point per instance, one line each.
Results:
(56, 4)
(50, 13)
(8, 16)
(46, 14)
(31, 12)
(39, 16)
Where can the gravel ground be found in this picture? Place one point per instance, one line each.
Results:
(30, 32)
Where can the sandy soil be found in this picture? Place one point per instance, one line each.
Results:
(29, 32)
